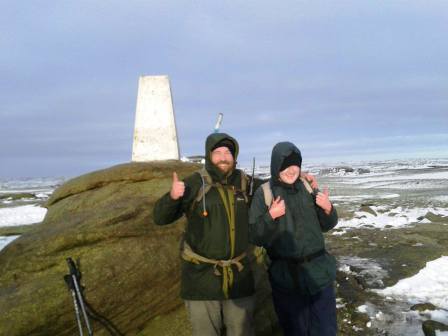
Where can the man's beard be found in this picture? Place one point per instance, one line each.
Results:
(225, 169)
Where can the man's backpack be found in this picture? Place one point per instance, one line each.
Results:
(207, 184)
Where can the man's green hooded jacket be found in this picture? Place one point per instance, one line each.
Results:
(295, 235)
(209, 236)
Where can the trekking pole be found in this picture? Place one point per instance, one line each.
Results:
(251, 189)
(69, 281)
(76, 276)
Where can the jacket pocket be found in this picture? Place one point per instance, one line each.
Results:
(320, 273)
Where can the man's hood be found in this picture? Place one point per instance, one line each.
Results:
(211, 141)
(279, 153)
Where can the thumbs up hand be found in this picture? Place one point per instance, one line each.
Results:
(323, 201)
(177, 188)
(277, 208)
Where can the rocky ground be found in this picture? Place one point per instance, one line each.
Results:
(381, 258)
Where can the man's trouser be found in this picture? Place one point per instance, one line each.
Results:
(306, 315)
(208, 318)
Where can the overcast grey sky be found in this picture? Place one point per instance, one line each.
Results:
(342, 79)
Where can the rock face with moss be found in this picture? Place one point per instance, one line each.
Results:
(130, 267)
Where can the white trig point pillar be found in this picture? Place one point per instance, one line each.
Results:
(155, 136)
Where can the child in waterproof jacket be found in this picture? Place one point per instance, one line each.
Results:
(290, 228)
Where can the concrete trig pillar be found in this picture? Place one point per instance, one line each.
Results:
(155, 136)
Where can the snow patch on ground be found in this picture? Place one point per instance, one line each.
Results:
(368, 269)
(393, 218)
(429, 285)
(6, 240)
(22, 215)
